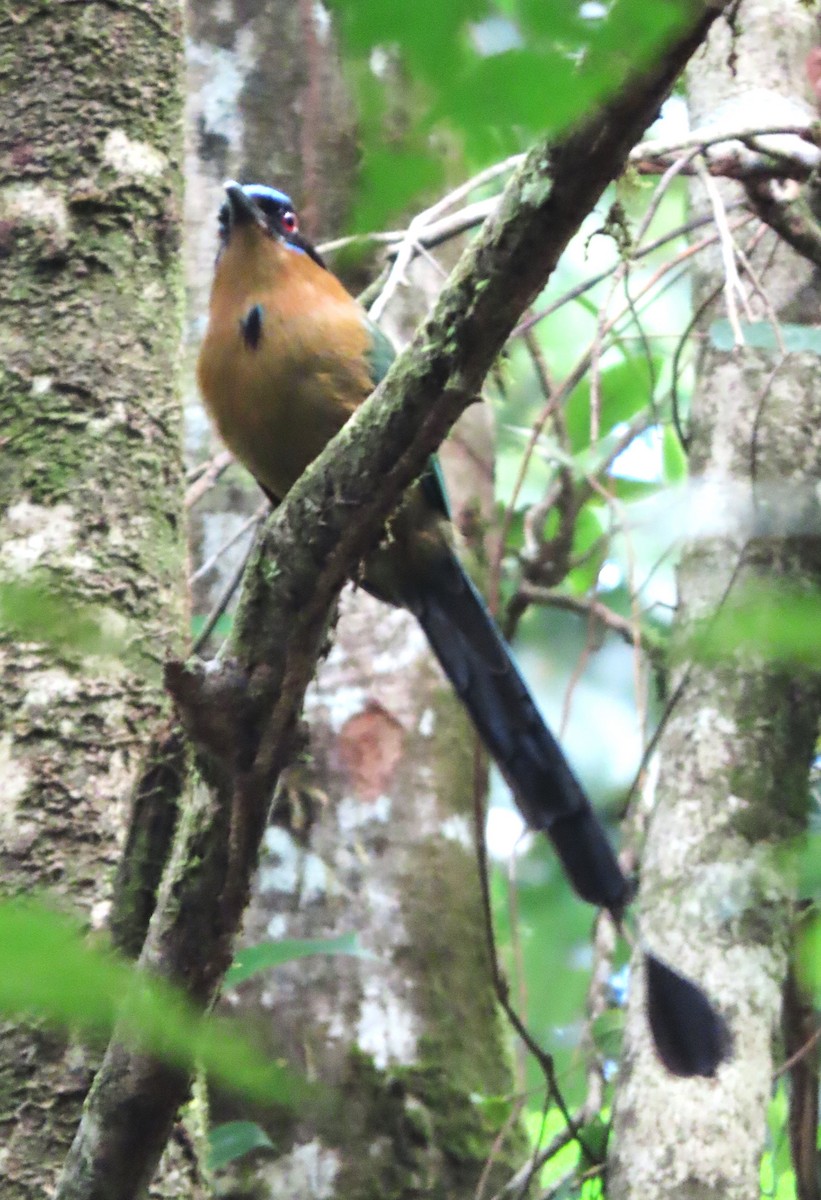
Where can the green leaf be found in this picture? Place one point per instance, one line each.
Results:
(427, 31)
(777, 1175)
(36, 611)
(515, 540)
(253, 959)
(808, 955)
(519, 88)
(776, 623)
(389, 178)
(625, 388)
(497, 1110)
(589, 527)
(809, 863)
(626, 489)
(221, 630)
(762, 336)
(486, 78)
(673, 458)
(588, 547)
(559, 20)
(541, 1127)
(230, 1141)
(49, 973)
(608, 1031)
(596, 1134)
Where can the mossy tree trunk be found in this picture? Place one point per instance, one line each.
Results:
(715, 895)
(90, 490)
(373, 833)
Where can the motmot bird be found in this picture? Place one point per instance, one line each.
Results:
(287, 357)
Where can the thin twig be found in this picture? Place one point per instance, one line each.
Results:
(468, 217)
(702, 140)
(620, 274)
(789, 1063)
(222, 602)
(767, 304)
(732, 282)
(571, 381)
(509, 1122)
(411, 239)
(576, 674)
(591, 610)
(693, 323)
(247, 525)
(543, 1058)
(207, 475)
(533, 1166)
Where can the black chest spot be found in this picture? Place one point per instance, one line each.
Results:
(251, 327)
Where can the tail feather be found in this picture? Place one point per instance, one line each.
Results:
(478, 663)
(691, 1037)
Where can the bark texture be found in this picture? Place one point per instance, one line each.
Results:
(374, 833)
(242, 716)
(716, 894)
(90, 496)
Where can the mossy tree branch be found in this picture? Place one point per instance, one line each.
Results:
(241, 717)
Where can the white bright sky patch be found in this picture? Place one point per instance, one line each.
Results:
(307, 1170)
(322, 21)
(642, 458)
(495, 35)
(457, 829)
(340, 703)
(506, 833)
(277, 927)
(610, 576)
(222, 73)
(378, 61)
(673, 121)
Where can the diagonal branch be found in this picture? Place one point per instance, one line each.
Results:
(241, 717)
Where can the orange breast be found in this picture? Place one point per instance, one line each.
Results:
(277, 405)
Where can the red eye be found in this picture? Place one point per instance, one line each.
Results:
(289, 222)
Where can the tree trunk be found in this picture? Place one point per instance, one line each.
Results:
(716, 898)
(374, 835)
(90, 496)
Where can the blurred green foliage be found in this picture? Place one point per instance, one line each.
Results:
(480, 79)
(763, 336)
(777, 1176)
(444, 88)
(766, 621)
(50, 972)
(233, 1139)
(251, 960)
(33, 609)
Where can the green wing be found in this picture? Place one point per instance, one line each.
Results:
(381, 356)
(382, 352)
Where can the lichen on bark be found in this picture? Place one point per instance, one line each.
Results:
(717, 891)
(90, 489)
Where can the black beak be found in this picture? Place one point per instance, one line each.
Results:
(241, 208)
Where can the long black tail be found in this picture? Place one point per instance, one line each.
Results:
(478, 663)
(691, 1036)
